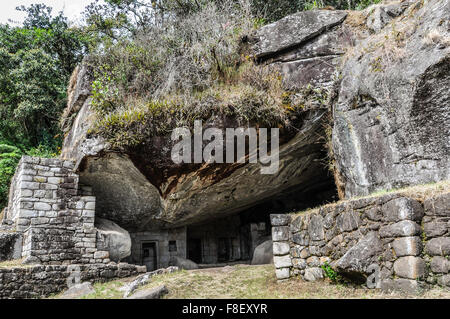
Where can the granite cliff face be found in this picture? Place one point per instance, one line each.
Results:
(392, 115)
(386, 71)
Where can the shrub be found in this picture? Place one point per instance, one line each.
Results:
(195, 67)
(331, 273)
(9, 158)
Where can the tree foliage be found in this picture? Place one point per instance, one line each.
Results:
(36, 60)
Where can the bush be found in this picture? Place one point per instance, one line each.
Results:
(331, 273)
(193, 68)
(9, 158)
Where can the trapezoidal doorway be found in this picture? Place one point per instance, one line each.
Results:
(149, 256)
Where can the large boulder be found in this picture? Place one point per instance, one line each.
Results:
(78, 291)
(154, 293)
(183, 263)
(113, 238)
(392, 115)
(263, 253)
(356, 261)
(141, 188)
(305, 47)
(390, 106)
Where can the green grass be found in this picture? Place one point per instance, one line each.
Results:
(418, 192)
(108, 290)
(13, 264)
(244, 282)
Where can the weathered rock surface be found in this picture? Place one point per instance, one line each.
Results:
(78, 291)
(410, 267)
(294, 30)
(379, 16)
(154, 293)
(407, 246)
(313, 274)
(408, 286)
(183, 263)
(305, 47)
(113, 239)
(144, 279)
(263, 253)
(357, 259)
(142, 188)
(10, 246)
(391, 118)
(390, 113)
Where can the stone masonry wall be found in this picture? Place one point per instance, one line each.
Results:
(57, 223)
(388, 242)
(44, 280)
(10, 246)
(161, 238)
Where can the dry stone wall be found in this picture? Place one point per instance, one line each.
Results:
(44, 280)
(50, 222)
(388, 242)
(56, 223)
(10, 246)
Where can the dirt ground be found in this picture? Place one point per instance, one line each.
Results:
(256, 282)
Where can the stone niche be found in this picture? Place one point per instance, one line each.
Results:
(377, 241)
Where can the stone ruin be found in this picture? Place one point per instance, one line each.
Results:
(97, 213)
(392, 241)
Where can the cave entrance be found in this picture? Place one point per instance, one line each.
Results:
(194, 250)
(233, 239)
(225, 250)
(149, 255)
(226, 240)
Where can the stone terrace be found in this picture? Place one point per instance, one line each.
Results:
(396, 240)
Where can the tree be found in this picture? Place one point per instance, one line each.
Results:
(36, 61)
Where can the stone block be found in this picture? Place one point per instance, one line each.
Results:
(280, 248)
(313, 261)
(403, 228)
(88, 213)
(313, 274)
(299, 263)
(410, 267)
(315, 228)
(29, 185)
(402, 285)
(440, 265)
(402, 209)
(435, 229)
(39, 179)
(438, 246)
(407, 246)
(55, 180)
(26, 193)
(25, 213)
(438, 206)
(101, 254)
(301, 239)
(42, 206)
(348, 221)
(280, 219)
(283, 273)
(282, 261)
(280, 233)
(90, 205)
(444, 281)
